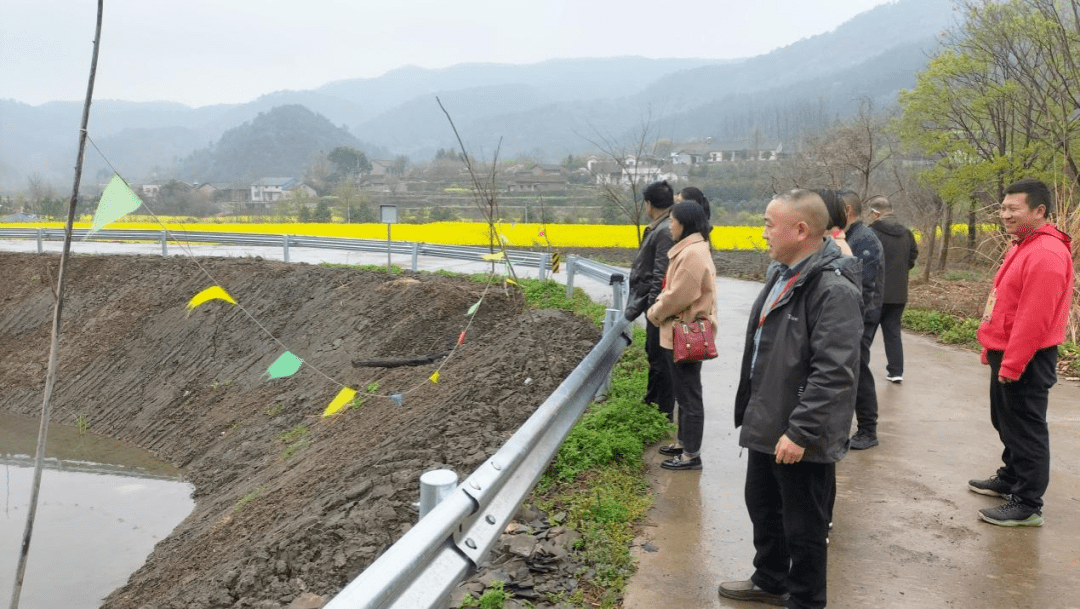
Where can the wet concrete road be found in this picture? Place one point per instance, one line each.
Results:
(906, 532)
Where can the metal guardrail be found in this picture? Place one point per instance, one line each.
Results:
(613, 276)
(423, 567)
(601, 272)
(538, 260)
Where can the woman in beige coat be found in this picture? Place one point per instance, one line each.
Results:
(689, 293)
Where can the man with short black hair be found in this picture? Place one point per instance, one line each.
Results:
(867, 248)
(900, 253)
(646, 281)
(1024, 321)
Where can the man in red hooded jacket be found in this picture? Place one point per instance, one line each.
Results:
(1022, 326)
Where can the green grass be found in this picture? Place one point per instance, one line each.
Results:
(378, 268)
(248, 498)
(493, 597)
(597, 478)
(966, 275)
(550, 294)
(947, 327)
(296, 439)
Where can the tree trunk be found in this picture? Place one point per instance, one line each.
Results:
(946, 232)
(973, 229)
(927, 252)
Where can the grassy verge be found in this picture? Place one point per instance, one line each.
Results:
(598, 477)
(962, 331)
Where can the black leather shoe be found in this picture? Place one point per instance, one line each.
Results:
(747, 591)
(680, 463)
(671, 450)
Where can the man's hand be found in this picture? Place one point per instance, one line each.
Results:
(788, 452)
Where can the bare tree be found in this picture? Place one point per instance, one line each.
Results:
(631, 161)
(485, 191)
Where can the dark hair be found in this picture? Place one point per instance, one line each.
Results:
(850, 197)
(692, 218)
(691, 193)
(1037, 194)
(835, 207)
(659, 195)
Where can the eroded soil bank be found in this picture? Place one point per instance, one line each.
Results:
(287, 502)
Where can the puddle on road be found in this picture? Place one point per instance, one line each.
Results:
(102, 507)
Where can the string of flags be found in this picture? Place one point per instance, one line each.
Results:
(119, 200)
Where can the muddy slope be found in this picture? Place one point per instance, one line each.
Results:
(273, 521)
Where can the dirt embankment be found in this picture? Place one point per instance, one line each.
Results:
(269, 526)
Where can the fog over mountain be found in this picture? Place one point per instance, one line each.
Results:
(546, 109)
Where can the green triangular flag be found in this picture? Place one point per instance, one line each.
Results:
(117, 201)
(285, 365)
(473, 308)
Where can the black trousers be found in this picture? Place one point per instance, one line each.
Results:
(1018, 412)
(788, 507)
(866, 392)
(891, 316)
(658, 390)
(686, 382)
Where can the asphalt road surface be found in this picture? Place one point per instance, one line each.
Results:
(906, 532)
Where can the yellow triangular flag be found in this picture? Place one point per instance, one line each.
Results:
(511, 281)
(343, 397)
(435, 377)
(117, 201)
(215, 292)
(493, 257)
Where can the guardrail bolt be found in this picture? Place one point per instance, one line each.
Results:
(490, 519)
(472, 544)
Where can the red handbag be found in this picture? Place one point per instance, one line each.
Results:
(694, 341)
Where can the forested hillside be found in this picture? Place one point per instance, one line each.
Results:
(545, 110)
(275, 144)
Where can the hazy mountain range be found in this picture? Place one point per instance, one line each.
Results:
(546, 110)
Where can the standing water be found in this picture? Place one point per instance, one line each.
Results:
(102, 507)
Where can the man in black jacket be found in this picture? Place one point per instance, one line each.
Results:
(866, 247)
(795, 399)
(901, 252)
(646, 281)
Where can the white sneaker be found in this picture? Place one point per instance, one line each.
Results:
(894, 379)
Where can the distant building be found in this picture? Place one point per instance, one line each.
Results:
(270, 190)
(630, 169)
(745, 150)
(536, 177)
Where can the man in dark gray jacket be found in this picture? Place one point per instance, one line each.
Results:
(795, 401)
(866, 247)
(646, 281)
(900, 252)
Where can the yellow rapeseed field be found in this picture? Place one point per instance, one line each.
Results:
(452, 233)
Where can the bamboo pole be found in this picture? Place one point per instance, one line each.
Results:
(50, 375)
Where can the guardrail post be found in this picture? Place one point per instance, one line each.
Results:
(415, 256)
(610, 317)
(617, 292)
(570, 264)
(435, 485)
(164, 244)
(285, 247)
(545, 260)
(40, 236)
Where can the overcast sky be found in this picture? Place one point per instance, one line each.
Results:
(202, 52)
